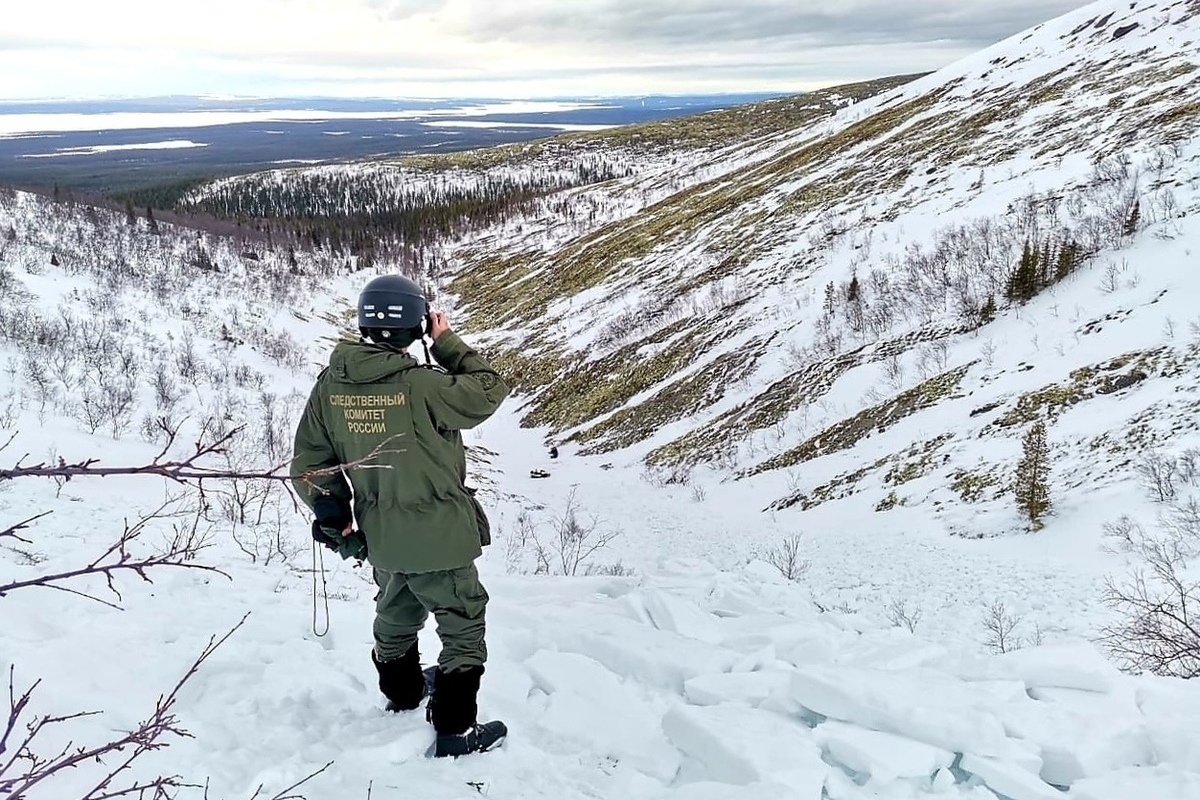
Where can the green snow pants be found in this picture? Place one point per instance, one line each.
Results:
(457, 601)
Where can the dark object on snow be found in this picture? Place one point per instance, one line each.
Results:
(1125, 31)
(453, 710)
(538, 473)
(985, 409)
(554, 452)
(402, 680)
(1120, 382)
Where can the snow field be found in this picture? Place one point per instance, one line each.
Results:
(687, 682)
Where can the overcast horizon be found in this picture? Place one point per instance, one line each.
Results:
(417, 49)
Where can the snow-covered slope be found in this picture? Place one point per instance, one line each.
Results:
(820, 310)
(713, 408)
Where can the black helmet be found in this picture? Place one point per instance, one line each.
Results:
(389, 302)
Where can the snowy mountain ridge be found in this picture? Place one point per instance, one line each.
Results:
(713, 327)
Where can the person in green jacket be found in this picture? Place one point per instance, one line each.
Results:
(380, 445)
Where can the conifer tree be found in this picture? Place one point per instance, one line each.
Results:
(1023, 284)
(1032, 486)
(1045, 264)
(988, 312)
(1068, 259)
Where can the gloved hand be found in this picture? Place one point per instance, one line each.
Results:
(352, 545)
(332, 519)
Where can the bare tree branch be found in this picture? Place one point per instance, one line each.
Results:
(11, 530)
(17, 781)
(117, 559)
(191, 468)
(286, 793)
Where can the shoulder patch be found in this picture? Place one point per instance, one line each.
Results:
(487, 380)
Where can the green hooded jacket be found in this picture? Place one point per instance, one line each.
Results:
(391, 430)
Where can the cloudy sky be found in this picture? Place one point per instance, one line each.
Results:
(485, 48)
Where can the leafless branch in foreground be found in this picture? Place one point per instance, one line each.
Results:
(191, 467)
(286, 794)
(12, 530)
(117, 559)
(23, 768)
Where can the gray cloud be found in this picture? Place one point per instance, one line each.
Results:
(403, 9)
(539, 46)
(777, 23)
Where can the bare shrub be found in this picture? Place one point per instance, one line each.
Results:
(564, 545)
(517, 543)
(1001, 626)
(660, 476)
(265, 539)
(281, 347)
(1157, 473)
(575, 540)
(1161, 475)
(1112, 278)
(1157, 629)
(785, 556)
(902, 613)
(166, 388)
(615, 569)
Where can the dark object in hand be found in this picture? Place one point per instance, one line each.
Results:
(353, 545)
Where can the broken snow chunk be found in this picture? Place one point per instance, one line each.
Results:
(1008, 780)
(749, 688)
(742, 746)
(885, 757)
(1073, 665)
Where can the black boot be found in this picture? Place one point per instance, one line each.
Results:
(401, 680)
(453, 710)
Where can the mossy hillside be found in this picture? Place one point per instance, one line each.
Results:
(842, 486)
(590, 389)
(726, 218)
(772, 406)
(1084, 384)
(1180, 121)
(705, 444)
(492, 285)
(527, 373)
(727, 126)
(677, 401)
(974, 486)
(876, 419)
(623, 246)
(905, 466)
(498, 291)
(917, 465)
(734, 224)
